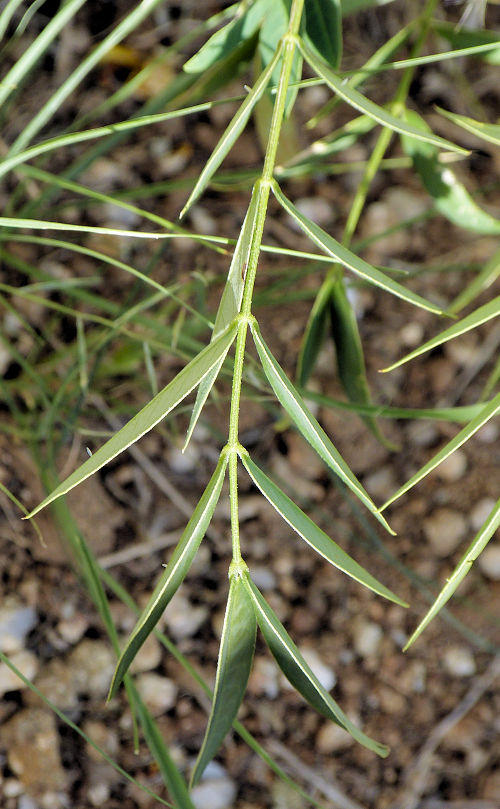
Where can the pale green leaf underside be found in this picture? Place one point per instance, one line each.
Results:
(349, 259)
(185, 381)
(472, 321)
(312, 534)
(174, 573)
(299, 674)
(476, 547)
(490, 132)
(489, 411)
(307, 424)
(233, 669)
(364, 105)
(232, 133)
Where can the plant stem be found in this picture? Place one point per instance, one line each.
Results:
(288, 44)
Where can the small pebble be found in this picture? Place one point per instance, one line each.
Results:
(422, 434)
(489, 562)
(381, 483)
(453, 468)
(319, 209)
(264, 678)
(412, 334)
(332, 737)
(481, 512)
(27, 664)
(16, 621)
(444, 530)
(489, 433)
(148, 657)
(216, 790)
(367, 638)
(324, 673)
(183, 618)
(459, 662)
(264, 578)
(158, 692)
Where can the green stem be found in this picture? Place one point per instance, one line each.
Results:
(288, 44)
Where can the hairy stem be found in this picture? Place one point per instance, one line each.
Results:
(288, 44)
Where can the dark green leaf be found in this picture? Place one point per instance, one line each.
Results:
(299, 674)
(350, 356)
(323, 31)
(314, 335)
(174, 573)
(233, 669)
(489, 132)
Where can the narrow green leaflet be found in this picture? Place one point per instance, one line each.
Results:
(450, 196)
(227, 39)
(323, 31)
(185, 381)
(364, 105)
(312, 534)
(230, 303)
(314, 335)
(233, 670)
(484, 279)
(489, 132)
(456, 414)
(489, 411)
(465, 38)
(174, 573)
(299, 674)
(472, 321)
(307, 424)
(232, 133)
(353, 6)
(350, 355)
(476, 547)
(349, 259)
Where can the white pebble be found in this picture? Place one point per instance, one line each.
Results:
(481, 512)
(367, 637)
(489, 562)
(183, 618)
(444, 530)
(453, 468)
(27, 664)
(158, 692)
(459, 662)
(214, 793)
(264, 578)
(15, 623)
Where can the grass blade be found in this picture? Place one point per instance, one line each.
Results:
(48, 110)
(484, 279)
(35, 51)
(312, 534)
(190, 376)
(67, 721)
(307, 424)
(488, 412)
(466, 38)
(450, 196)
(174, 573)
(472, 321)
(364, 105)
(232, 132)
(230, 303)
(476, 547)
(323, 31)
(233, 670)
(489, 132)
(349, 259)
(299, 674)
